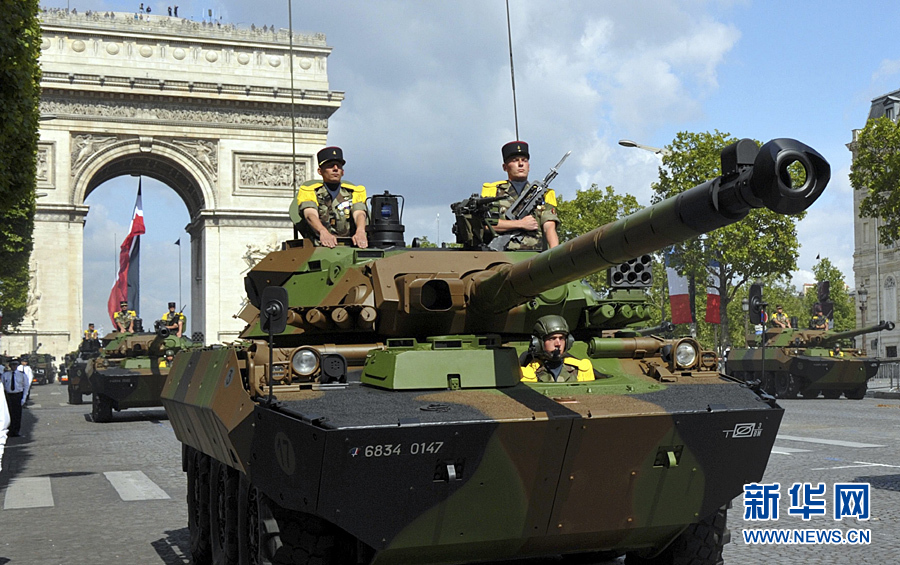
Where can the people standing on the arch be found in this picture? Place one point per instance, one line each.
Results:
(331, 208)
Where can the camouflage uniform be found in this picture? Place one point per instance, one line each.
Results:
(90, 334)
(544, 212)
(573, 370)
(819, 322)
(124, 318)
(781, 317)
(336, 214)
(172, 319)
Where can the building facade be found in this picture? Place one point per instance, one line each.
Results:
(876, 267)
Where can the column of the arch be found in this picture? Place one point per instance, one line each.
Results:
(55, 316)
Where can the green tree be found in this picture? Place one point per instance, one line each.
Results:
(764, 244)
(591, 208)
(844, 306)
(422, 240)
(876, 169)
(20, 40)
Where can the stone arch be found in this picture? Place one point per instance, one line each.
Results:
(890, 299)
(161, 160)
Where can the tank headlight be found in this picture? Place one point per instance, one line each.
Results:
(305, 362)
(685, 355)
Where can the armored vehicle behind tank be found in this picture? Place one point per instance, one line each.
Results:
(42, 366)
(131, 369)
(79, 365)
(807, 362)
(373, 411)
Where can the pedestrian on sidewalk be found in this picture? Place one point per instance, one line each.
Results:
(14, 388)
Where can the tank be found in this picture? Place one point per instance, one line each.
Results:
(130, 370)
(373, 412)
(77, 367)
(42, 366)
(805, 362)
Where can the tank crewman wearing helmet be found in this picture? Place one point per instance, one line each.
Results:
(550, 361)
(836, 351)
(528, 229)
(819, 321)
(174, 321)
(331, 208)
(125, 318)
(166, 362)
(90, 334)
(780, 319)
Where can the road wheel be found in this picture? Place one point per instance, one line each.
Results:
(75, 397)
(248, 522)
(301, 539)
(811, 393)
(832, 394)
(785, 386)
(101, 409)
(857, 393)
(699, 544)
(198, 507)
(223, 510)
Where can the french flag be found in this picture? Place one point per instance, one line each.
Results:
(126, 286)
(713, 300)
(679, 294)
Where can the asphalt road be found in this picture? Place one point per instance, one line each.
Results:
(73, 491)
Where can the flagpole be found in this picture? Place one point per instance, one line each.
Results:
(180, 303)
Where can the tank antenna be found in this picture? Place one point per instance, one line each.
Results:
(512, 72)
(293, 129)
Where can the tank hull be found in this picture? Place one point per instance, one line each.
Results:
(134, 384)
(808, 372)
(476, 474)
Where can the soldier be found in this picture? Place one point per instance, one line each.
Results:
(550, 361)
(819, 321)
(528, 229)
(166, 362)
(174, 321)
(331, 208)
(836, 351)
(90, 334)
(125, 318)
(780, 319)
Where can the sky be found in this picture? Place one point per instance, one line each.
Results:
(428, 102)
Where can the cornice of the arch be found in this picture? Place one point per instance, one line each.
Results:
(198, 159)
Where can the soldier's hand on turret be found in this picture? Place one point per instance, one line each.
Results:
(528, 223)
(360, 240)
(327, 239)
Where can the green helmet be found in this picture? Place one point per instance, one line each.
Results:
(551, 324)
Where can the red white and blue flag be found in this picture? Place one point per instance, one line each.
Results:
(679, 295)
(127, 284)
(713, 300)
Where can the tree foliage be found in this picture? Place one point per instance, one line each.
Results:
(763, 244)
(591, 208)
(20, 40)
(876, 169)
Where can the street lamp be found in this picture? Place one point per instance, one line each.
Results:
(862, 295)
(656, 150)
(745, 306)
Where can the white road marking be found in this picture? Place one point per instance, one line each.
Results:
(858, 464)
(135, 485)
(33, 406)
(788, 450)
(63, 403)
(828, 441)
(56, 393)
(32, 492)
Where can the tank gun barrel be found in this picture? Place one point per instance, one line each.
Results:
(829, 339)
(664, 327)
(751, 178)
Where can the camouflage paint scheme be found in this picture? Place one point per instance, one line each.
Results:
(127, 374)
(432, 451)
(42, 367)
(801, 361)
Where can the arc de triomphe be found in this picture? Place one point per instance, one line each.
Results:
(206, 109)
